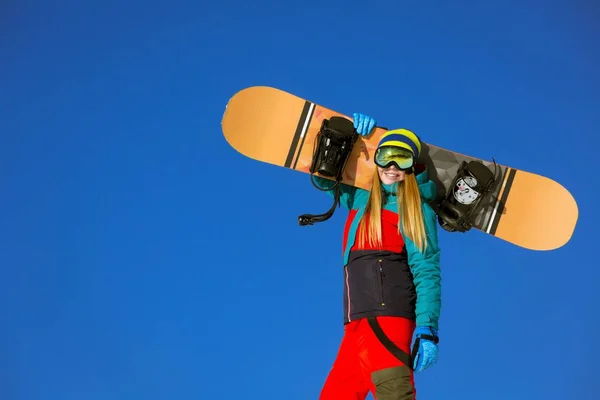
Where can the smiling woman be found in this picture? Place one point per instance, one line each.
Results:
(391, 275)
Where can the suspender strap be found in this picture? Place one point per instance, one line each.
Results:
(388, 344)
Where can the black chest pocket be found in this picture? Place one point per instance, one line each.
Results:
(395, 283)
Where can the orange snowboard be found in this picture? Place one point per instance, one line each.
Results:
(276, 127)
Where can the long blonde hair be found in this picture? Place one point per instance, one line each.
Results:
(410, 213)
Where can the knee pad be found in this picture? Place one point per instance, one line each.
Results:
(394, 383)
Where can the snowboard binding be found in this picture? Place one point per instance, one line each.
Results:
(472, 183)
(334, 143)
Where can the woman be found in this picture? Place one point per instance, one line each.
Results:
(391, 275)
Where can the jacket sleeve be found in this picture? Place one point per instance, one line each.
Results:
(426, 272)
(347, 192)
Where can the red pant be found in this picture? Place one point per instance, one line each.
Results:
(361, 353)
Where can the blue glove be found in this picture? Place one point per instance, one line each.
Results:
(426, 340)
(363, 123)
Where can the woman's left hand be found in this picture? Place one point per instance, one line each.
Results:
(426, 339)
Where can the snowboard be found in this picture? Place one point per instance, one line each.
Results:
(276, 127)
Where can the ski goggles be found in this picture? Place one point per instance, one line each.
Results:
(394, 155)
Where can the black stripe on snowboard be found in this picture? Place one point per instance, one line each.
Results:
(308, 118)
(294, 145)
(502, 201)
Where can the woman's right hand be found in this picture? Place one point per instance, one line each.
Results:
(363, 124)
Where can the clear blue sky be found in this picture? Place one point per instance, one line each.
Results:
(143, 258)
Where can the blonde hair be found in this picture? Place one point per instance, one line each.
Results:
(410, 213)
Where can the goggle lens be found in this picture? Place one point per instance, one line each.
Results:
(386, 155)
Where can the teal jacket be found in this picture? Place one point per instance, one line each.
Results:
(425, 267)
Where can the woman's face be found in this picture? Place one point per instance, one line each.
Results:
(390, 175)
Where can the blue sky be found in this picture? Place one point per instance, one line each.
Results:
(142, 257)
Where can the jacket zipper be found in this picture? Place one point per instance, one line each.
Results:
(381, 275)
(348, 294)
